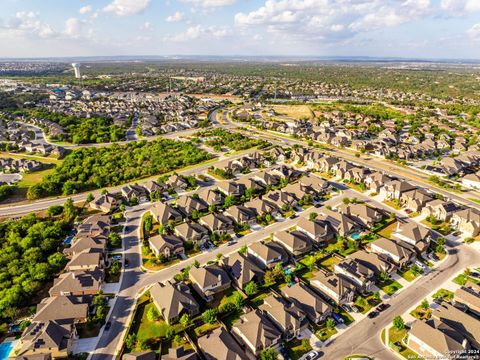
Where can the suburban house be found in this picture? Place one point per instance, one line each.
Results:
(62, 309)
(211, 197)
(313, 184)
(138, 192)
(334, 286)
(341, 223)
(375, 181)
(143, 355)
(85, 261)
(230, 188)
(267, 178)
(242, 270)
(467, 221)
(413, 234)
(415, 199)
(320, 231)
(219, 344)
(153, 187)
(173, 300)
(86, 243)
(166, 245)
(398, 252)
(295, 242)
(267, 254)
(105, 203)
(43, 338)
(218, 223)
(280, 199)
(472, 180)
(256, 332)
(190, 231)
(180, 353)
(459, 321)
(95, 225)
(177, 182)
(209, 280)
(468, 297)
(285, 315)
(436, 340)
(187, 204)
(378, 263)
(314, 307)
(360, 275)
(394, 189)
(242, 214)
(440, 209)
(365, 215)
(164, 213)
(77, 283)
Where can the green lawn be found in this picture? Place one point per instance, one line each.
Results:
(366, 304)
(329, 263)
(345, 316)
(462, 279)
(205, 328)
(421, 314)
(396, 337)
(407, 275)
(391, 287)
(150, 329)
(387, 232)
(444, 294)
(296, 348)
(325, 333)
(231, 319)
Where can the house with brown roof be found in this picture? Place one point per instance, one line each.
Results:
(85, 261)
(415, 235)
(209, 280)
(242, 214)
(313, 184)
(256, 332)
(219, 344)
(105, 203)
(415, 199)
(285, 315)
(441, 210)
(173, 300)
(242, 270)
(267, 178)
(138, 192)
(319, 230)
(295, 242)
(378, 263)
(364, 215)
(375, 181)
(187, 204)
(436, 340)
(334, 286)
(164, 213)
(395, 188)
(46, 337)
(341, 223)
(460, 321)
(190, 231)
(166, 245)
(77, 283)
(467, 221)
(230, 188)
(155, 187)
(468, 297)
(211, 196)
(267, 254)
(361, 276)
(180, 353)
(398, 252)
(314, 307)
(86, 243)
(62, 309)
(280, 200)
(95, 225)
(218, 223)
(144, 355)
(177, 182)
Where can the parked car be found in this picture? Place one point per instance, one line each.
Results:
(126, 263)
(408, 211)
(347, 308)
(294, 216)
(310, 356)
(383, 307)
(338, 319)
(355, 308)
(108, 325)
(373, 314)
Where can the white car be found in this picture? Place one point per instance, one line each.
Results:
(312, 355)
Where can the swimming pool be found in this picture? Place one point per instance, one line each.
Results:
(68, 240)
(356, 236)
(5, 349)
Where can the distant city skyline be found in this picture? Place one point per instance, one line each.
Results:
(425, 29)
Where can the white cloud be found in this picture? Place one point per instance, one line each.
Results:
(73, 27)
(127, 7)
(199, 31)
(147, 26)
(85, 9)
(460, 7)
(177, 17)
(474, 32)
(210, 3)
(28, 23)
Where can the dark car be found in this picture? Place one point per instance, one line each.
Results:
(108, 325)
(373, 314)
(127, 263)
(294, 216)
(383, 307)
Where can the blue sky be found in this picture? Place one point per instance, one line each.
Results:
(399, 28)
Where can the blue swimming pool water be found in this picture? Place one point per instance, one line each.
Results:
(355, 236)
(68, 240)
(5, 349)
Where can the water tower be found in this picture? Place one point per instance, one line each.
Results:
(76, 68)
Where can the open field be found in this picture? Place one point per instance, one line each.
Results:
(294, 111)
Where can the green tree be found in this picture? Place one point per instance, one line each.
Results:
(54, 210)
(330, 324)
(237, 300)
(90, 197)
(152, 314)
(425, 305)
(169, 332)
(269, 354)
(185, 319)
(312, 216)
(251, 288)
(131, 341)
(114, 240)
(209, 316)
(398, 323)
(243, 250)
